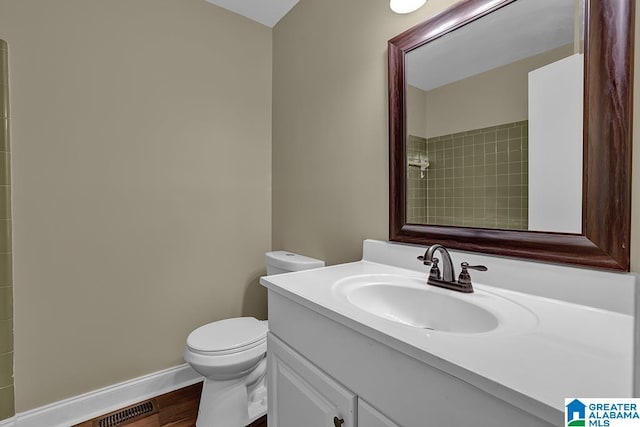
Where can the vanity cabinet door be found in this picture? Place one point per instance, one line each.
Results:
(368, 416)
(300, 394)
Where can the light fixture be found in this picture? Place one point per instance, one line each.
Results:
(406, 6)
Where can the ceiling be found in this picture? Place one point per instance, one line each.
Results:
(517, 31)
(266, 12)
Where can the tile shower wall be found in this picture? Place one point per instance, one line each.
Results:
(6, 282)
(477, 178)
(417, 185)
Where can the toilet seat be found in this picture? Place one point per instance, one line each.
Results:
(229, 336)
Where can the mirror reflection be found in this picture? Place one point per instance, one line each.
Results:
(494, 121)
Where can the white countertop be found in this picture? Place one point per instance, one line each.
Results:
(572, 350)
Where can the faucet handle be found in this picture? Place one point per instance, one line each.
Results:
(465, 266)
(424, 259)
(434, 273)
(464, 279)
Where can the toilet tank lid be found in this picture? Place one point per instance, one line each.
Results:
(291, 262)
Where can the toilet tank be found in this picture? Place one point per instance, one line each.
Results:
(285, 262)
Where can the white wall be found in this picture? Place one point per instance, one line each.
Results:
(555, 146)
(416, 112)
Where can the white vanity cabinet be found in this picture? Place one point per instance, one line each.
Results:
(302, 395)
(349, 323)
(368, 416)
(319, 368)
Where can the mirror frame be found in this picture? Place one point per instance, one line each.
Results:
(608, 108)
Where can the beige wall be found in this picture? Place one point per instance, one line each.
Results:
(330, 163)
(330, 155)
(141, 168)
(492, 98)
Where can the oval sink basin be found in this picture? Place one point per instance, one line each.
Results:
(411, 302)
(422, 309)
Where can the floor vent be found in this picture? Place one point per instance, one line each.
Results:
(127, 415)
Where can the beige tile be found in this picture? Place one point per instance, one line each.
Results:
(3, 45)
(4, 135)
(6, 269)
(514, 207)
(514, 144)
(502, 169)
(515, 179)
(6, 304)
(6, 336)
(478, 203)
(5, 235)
(4, 100)
(502, 203)
(479, 181)
(6, 370)
(515, 133)
(5, 168)
(515, 191)
(6, 403)
(5, 202)
(490, 147)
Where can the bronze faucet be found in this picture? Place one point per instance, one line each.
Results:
(446, 280)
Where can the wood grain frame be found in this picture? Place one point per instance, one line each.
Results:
(606, 217)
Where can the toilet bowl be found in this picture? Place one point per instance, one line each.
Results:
(231, 355)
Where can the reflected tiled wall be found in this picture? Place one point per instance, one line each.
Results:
(417, 186)
(6, 282)
(477, 178)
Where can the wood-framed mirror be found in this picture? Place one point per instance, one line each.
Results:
(601, 234)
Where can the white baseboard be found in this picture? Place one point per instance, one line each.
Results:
(99, 402)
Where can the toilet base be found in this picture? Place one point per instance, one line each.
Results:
(234, 403)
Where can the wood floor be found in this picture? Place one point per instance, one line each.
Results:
(176, 409)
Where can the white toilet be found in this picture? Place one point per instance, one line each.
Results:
(232, 356)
